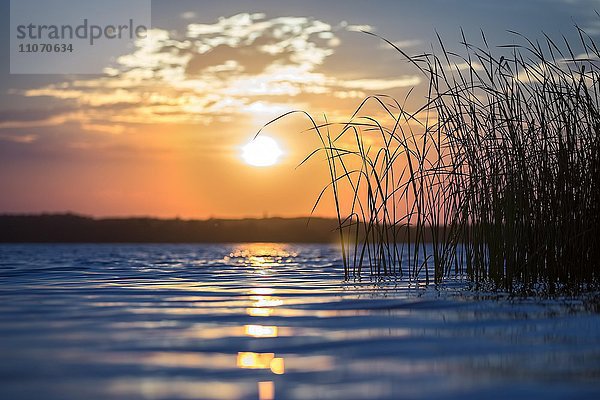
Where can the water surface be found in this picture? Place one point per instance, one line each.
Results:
(263, 321)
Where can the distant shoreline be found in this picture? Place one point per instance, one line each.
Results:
(73, 228)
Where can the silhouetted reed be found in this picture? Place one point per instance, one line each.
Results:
(497, 174)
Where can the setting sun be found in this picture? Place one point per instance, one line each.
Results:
(262, 151)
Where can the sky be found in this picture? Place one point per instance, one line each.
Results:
(160, 132)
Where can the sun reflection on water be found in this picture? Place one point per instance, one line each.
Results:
(266, 390)
(259, 312)
(260, 331)
(266, 301)
(261, 257)
(251, 360)
(263, 302)
(277, 366)
(262, 291)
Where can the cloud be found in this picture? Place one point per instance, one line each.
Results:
(101, 128)
(188, 15)
(50, 121)
(402, 44)
(358, 28)
(245, 63)
(381, 84)
(464, 66)
(15, 138)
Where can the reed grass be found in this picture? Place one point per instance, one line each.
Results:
(494, 179)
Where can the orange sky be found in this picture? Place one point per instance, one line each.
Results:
(159, 133)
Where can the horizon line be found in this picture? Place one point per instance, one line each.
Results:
(174, 218)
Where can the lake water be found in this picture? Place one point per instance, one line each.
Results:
(271, 321)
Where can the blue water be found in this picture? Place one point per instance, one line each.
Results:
(265, 321)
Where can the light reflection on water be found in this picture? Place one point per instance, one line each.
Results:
(271, 321)
(260, 331)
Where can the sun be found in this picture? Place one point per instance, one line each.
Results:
(262, 151)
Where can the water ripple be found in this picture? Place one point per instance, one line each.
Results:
(250, 320)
